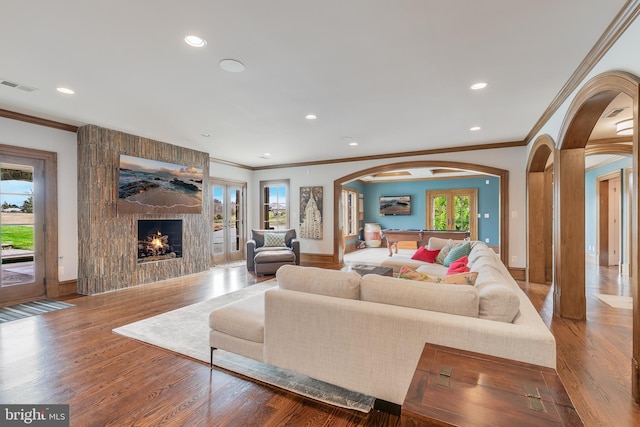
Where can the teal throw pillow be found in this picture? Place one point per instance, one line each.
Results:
(274, 240)
(457, 253)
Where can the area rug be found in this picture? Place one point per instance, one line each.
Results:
(186, 331)
(617, 301)
(231, 264)
(28, 309)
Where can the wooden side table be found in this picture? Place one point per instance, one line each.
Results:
(461, 388)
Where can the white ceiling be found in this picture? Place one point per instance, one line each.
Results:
(392, 75)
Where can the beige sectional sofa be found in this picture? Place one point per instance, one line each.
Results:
(366, 333)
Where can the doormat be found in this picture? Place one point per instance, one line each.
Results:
(28, 309)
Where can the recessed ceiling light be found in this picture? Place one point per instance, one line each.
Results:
(479, 85)
(232, 66)
(65, 90)
(206, 135)
(195, 41)
(310, 117)
(475, 128)
(266, 155)
(353, 143)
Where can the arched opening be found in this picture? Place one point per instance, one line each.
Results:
(569, 200)
(540, 211)
(503, 175)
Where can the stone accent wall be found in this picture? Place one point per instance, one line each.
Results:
(107, 252)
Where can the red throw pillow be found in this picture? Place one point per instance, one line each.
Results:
(459, 266)
(424, 254)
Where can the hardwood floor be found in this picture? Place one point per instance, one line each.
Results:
(71, 356)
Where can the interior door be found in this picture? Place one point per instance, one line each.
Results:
(228, 221)
(614, 221)
(22, 228)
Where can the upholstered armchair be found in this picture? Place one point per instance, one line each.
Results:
(268, 250)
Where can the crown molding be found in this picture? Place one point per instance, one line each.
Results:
(490, 146)
(38, 121)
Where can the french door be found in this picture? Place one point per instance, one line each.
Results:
(228, 210)
(22, 228)
(453, 210)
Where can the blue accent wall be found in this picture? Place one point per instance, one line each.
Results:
(488, 203)
(591, 200)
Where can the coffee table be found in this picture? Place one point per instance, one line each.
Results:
(363, 269)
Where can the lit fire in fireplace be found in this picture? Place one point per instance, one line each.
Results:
(155, 247)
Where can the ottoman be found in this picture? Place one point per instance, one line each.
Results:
(238, 327)
(268, 262)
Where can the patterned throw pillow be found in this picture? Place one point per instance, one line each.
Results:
(274, 240)
(457, 253)
(443, 254)
(451, 279)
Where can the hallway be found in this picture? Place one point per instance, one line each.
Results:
(594, 356)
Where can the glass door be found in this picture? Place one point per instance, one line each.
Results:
(452, 210)
(228, 221)
(22, 228)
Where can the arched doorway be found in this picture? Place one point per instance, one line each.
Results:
(338, 249)
(539, 211)
(569, 200)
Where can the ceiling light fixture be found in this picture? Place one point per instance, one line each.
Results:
(231, 65)
(353, 143)
(65, 90)
(479, 85)
(625, 127)
(195, 41)
(475, 128)
(310, 117)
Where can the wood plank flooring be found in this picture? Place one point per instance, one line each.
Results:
(71, 356)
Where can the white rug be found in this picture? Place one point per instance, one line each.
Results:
(617, 301)
(186, 331)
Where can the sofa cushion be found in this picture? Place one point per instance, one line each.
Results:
(426, 255)
(460, 300)
(333, 283)
(437, 243)
(456, 253)
(241, 319)
(279, 255)
(497, 301)
(450, 279)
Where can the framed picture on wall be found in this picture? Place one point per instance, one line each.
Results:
(311, 222)
(151, 186)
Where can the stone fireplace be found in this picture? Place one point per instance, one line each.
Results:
(159, 239)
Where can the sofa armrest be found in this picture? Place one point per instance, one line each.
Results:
(295, 246)
(251, 253)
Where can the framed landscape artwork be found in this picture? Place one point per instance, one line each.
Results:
(151, 186)
(311, 222)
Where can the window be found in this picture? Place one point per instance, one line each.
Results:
(274, 203)
(350, 212)
(453, 210)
